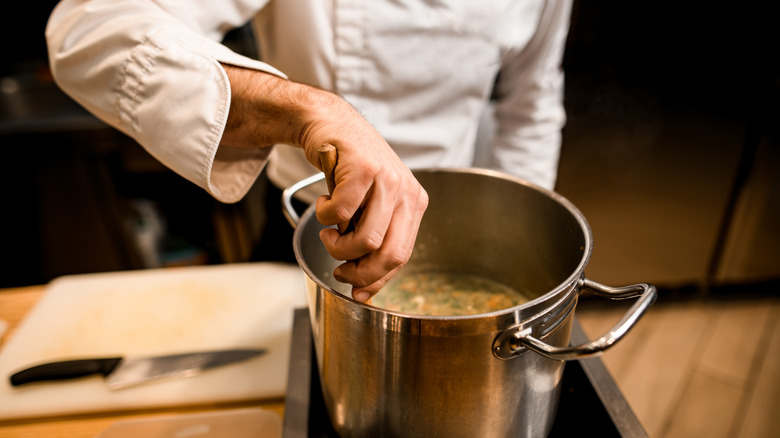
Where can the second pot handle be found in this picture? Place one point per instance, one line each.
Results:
(287, 207)
(522, 339)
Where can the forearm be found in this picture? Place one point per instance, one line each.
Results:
(266, 109)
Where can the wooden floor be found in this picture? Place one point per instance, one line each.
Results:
(697, 368)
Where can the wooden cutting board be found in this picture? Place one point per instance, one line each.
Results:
(151, 312)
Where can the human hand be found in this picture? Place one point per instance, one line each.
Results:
(375, 249)
(369, 176)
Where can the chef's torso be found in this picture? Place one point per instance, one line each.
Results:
(421, 72)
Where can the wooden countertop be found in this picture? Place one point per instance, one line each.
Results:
(15, 303)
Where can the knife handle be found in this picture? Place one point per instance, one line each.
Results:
(65, 370)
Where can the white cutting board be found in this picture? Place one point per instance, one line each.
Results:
(150, 312)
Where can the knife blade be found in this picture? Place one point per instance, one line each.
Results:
(121, 372)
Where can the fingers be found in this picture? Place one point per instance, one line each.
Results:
(364, 294)
(371, 226)
(374, 260)
(351, 190)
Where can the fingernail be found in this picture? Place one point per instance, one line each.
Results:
(363, 296)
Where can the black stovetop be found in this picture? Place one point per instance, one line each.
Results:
(590, 400)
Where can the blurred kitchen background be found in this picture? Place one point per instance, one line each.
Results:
(671, 152)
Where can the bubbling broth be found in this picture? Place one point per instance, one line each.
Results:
(446, 294)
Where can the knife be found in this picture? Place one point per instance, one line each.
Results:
(123, 372)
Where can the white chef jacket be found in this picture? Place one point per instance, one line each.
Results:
(421, 72)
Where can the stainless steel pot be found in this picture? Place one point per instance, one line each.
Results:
(389, 374)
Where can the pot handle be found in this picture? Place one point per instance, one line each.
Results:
(287, 208)
(522, 339)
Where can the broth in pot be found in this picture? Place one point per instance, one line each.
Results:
(442, 293)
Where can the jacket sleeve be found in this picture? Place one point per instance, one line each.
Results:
(152, 70)
(529, 113)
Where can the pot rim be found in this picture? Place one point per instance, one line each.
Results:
(564, 287)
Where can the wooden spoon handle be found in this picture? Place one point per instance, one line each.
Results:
(329, 158)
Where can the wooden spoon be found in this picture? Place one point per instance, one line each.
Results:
(329, 158)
